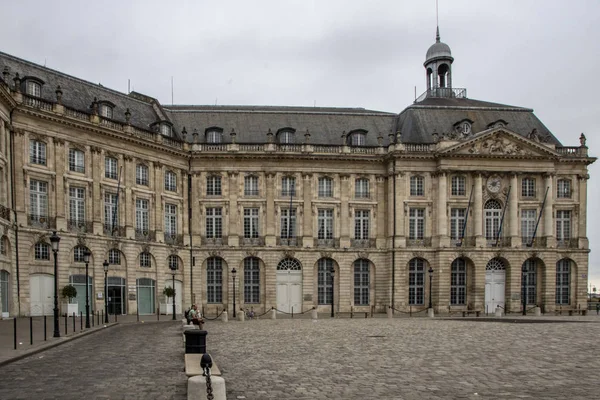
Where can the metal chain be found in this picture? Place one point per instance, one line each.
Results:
(209, 390)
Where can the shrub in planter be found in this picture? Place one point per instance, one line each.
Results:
(169, 292)
(69, 292)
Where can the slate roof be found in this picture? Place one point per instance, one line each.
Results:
(434, 114)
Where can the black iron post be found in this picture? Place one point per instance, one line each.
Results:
(54, 240)
(86, 258)
(524, 281)
(173, 273)
(332, 274)
(105, 265)
(233, 272)
(430, 284)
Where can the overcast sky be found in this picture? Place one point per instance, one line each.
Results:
(370, 54)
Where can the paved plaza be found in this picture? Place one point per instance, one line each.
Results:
(374, 358)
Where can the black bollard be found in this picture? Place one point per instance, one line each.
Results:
(195, 341)
(31, 330)
(115, 316)
(45, 331)
(74, 323)
(158, 314)
(292, 312)
(102, 317)
(15, 332)
(137, 313)
(66, 322)
(81, 320)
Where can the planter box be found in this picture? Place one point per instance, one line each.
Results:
(69, 309)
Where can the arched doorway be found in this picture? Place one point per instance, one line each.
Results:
(146, 288)
(289, 285)
(42, 295)
(78, 281)
(116, 295)
(4, 287)
(495, 281)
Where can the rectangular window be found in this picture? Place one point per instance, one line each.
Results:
(528, 187)
(458, 282)
(145, 260)
(213, 186)
(141, 175)
(528, 221)
(325, 224)
(459, 184)
(37, 152)
(42, 251)
(33, 88)
(325, 187)
(288, 186)
(416, 223)
(361, 191)
(170, 219)
(110, 168)
(106, 111)
(361, 224)
(288, 223)
(250, 223)
(170, 181)
(563, 225)
(76, 205)
(213, 137)
(114, 257)
(457, 223)
(214, 222)
(251, 185)
(251, 281)
(361, 283)
(111, 213)
(38, 201)
(417, 186)
(76, 160)
(142, 215)
(563, 189)
(563, 270)
(324, 284)
(214, 280)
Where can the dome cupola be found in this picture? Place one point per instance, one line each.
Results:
(438, 64)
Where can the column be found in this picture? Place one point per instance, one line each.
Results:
(127, 184)
(21, 187)
(158, 206)
(307, 224)
(235, 228)
(478, 210)
(57, 156)
(381, 211)
(185, 207)
(270, 237)
(513, 209)
(548, 209)
(94, 165)
(442, 217)
(400, 217)
(582, 217)
(345, 221)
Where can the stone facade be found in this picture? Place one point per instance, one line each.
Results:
(394, 201)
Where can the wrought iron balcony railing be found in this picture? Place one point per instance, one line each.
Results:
(293, 241)
(424, 242)
(537, 242)
(41, 221)
(259, 241)
(116, 231)
(80, 226)
(173, 238)
(335, 243)
(362, 243)
(145, 234)
(467, 241)
(214, 241)
(500, 242)
(571, 243)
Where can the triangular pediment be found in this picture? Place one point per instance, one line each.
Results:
(499, 142)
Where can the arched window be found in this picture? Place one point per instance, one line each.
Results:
(145, 260)
(114, 257)
(458, 282)
(214, 136)
(289, 264)
(563, 281)
(173, 262)
(324, 284)
(358, 138)
(251, 280)
(286, 137)
(417, 185)
(493, 214)
(495, 264)
(361, 282)
(416, 281)
(214, 280)
(146, 289)
(529, 275)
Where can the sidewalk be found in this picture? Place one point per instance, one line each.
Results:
(25, 348)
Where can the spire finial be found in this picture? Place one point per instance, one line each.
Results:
(437, 23)
(437, 35)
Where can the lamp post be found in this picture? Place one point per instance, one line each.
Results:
(332, 274)
(174, 293)
(524, 282)
(86, 259)
(233, 272)
(54, 239)
(105, 265)
(430, 282)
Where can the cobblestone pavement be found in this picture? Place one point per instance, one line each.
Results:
(403, 358)
(125, 361)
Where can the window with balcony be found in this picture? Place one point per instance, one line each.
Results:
(251, 223)
(214, 280)
(417, 185)
(213, 185)
(325, 224)
(141, 175)
(361, 188)
(170, 220)
(563, 189)
(288, 223)
(458, 282)
(251, 280)
(111, 213)
(142, 217)
(76, 206)
(38, 201)
(251, 185)
(170, 181)
(563, 225)
(214, 222)
(416, 222)
(361, 282)
(76, 160)
(457, 223)
(459, 184)
(563, 282)
(110, 168)
(493, 215)
(37, 152)
(361, 224)
(325, 187)
(324, 280)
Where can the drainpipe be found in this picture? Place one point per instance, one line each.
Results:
(394, 239)
(192, 300)
(12, 206)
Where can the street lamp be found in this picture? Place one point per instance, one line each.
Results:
(430, 281)
(173, 274)
(86, 259)
(233, 272)
(105, 265)
(54, 239)
(523, 282)
(331, 273)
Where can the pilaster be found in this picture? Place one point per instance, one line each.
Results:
(158, 204)
(270, 239)
(381, 211)
(582, 217)
(307, 228)
(548, 211)
(513, 210)
(234, 217)
(345, 221)
(478, 210)
(442, 216)
(128, 174)
(58, 156)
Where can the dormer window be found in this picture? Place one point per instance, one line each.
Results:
(357, 138)
(214, 136)
(498, 124)
(106, 111)
(286, 137)
(165, 129)
(33, 88)
(464, 127)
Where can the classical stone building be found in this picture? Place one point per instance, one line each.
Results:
(464, 202)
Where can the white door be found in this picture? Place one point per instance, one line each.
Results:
(289, 291)
(42, 295)
(178, 297)
(494, 289)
